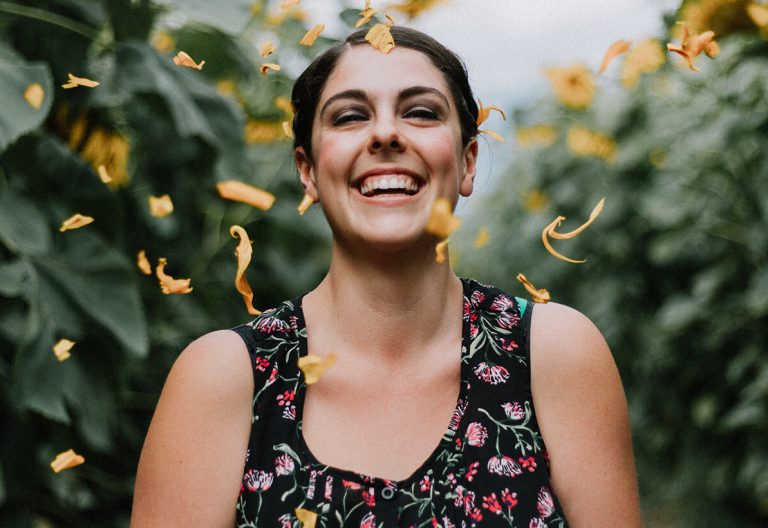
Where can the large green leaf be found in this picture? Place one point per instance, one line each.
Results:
(230, 17)
(23, 227)
(18, 115)
(102, 283)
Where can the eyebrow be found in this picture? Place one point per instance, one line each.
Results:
(404, 94)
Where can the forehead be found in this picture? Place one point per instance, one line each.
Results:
(363, 67)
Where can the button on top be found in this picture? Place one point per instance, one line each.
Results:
(387, 493)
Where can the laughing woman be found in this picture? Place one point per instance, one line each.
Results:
(451, 403)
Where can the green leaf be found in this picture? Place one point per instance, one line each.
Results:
(19, 116)
(13, 277)
(23, 228)
(230, 17)
(103, 284)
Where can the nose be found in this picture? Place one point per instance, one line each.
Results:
(385, 136)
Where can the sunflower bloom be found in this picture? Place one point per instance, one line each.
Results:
(584, 142)
(574, 86)
(536, 135)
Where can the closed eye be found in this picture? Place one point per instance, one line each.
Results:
(421, 112)
(349, 117)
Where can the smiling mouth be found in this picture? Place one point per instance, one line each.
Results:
(392, 184)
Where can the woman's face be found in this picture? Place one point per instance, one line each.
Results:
(386, 144)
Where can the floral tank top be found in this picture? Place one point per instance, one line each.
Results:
(489, 469)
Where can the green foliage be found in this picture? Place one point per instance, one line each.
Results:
(677, 268)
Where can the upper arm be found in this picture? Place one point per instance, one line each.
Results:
(582, 413)
(191, 466)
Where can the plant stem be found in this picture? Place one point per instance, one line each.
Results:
(51, 18)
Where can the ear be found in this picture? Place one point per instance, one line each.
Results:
(470, 168)
(306, 173)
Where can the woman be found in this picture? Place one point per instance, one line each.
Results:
(428, 417)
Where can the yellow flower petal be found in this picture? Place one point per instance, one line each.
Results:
(79, 81)
(313, 366)
(574, 86)
(584, 142)
(543, 135)
(440, 249)
(592, 216)
(538, 295)
(61, 349)
(306, 517)
(287, 129)
(34, 94)
(310, 36)
(269, 66)
(441, 221)
(238, 191)
(267, 49)
(243, 253)
(143, 263)
(645, 57)
(759, 15)
(484, 112)
(103, 174)
(76, 221)
(163, 42)
(168, 284)
(613, 51)
(693, 45)
(549, 231)
(183, 59)
(493, 134)
(413, 8)
(289, 4)
(66, 460)
(381, 38)
(160, 206)
(305, 204)
(366, 14)
(483, 237)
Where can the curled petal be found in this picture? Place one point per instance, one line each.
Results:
(684, 54)
(103, 174)
(366, 14)
(79, 81)
(313, 366)
(483, 237)
(549, 230)
(34, 95)
(594, 214)
(168, 284)
(613, 51)
(66, 460)
(269, 66)
(493, 134)
(183, 59)
(143, 263)
(440, 249)
(307, 518)
(160, 206)
(309, 38)
(548, 246)
(267, 49)
(238, 191)
(694, 45)
(61, 349)
(76, 221)
(484, 112)
(305, 204)
(538, 295)
(380, 37)
(441, 221)
(243, 253)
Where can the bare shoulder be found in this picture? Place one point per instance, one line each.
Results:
(192, 462)
(582, 413)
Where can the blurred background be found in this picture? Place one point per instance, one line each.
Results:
(677, 263)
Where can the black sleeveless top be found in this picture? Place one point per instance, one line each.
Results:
(489, 469)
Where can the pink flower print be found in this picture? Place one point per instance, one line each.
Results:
(508, 344)
(328, 487)
(493, 374)
(528, 463)
(508, 499)
(284, 465)
(477, 434)
(508, 320)
(476, 515)
(272, 375)
(271, 325)
(492, 503)
(285, 521)
(544, 503)
(469, 502)
(369, 498)
(261, 364)
(514, 410)
(369, 521)
(258, 480)
(350, 485)
(459, 500)
(289, 412)
(458, 413)
(537, 523)
(501, 303)
(447, 523)
(504, 465)
(426, 483)
(476, 298)
(466, 309)
(473, 331)
(450, 479)
(472, 471)
(294, 322)
(285, 398)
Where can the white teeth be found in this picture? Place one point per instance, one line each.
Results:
(385, 183)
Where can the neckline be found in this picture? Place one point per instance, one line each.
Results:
(449, 432)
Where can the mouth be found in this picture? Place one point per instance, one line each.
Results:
(394, 183)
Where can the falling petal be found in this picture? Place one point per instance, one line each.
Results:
(103, 174)
(143, 263)
(160, 206)
(66, 460)
(483, 237)
(287, 129)
(238, 191)
(267, 49)
(79, 81)
(440, 250)
(693, 45)
(243, 253)
(366, 14)
(168, 284)
(549, 231)
(289, 4)
(307, 518)
(548, 246)
(305, 204)
(413, 8)
(76, 221)
(539, 295)
(309, 38)
(592, 216)
(493, 134)
(182, 59)
(381, 38)
(441, 221)
(269, 66)
(614, 50)
(484, 112)
(34, 94)
(313, 366)
(61, 349)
